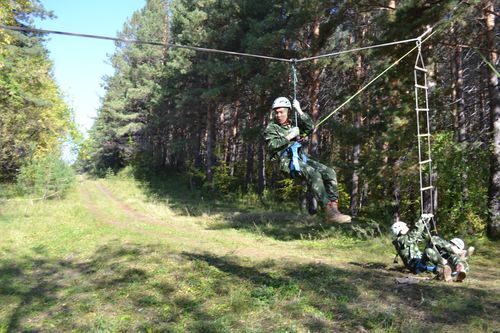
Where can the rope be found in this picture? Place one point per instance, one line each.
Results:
(294, 73)
(358, 49)
(430, 237)
(133, 41)
(487, 62)
(430, 32)
(364, 88)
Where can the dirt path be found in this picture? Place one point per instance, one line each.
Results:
(187, 234)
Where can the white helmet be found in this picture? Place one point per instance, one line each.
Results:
(281, 102)
(458, 242)
(399, 228)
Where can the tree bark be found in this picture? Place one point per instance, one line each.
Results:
(392, 10)
(356, 152)
(249, 168)
(494, 97)
(261, 155)
(313, 92)
(353, 210)
(234, 138)
(459, 96)
(210, 143)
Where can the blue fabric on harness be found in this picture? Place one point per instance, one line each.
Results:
(421, 267)
(294, 162)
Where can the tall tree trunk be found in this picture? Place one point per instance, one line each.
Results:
(249, 157)
(210, 143)
(261, 155)
(234, 138)
(391, 5)
(249, 167)
(196, 145)
(313, 92)
(461, 115)
(494, 96)
(353, 210)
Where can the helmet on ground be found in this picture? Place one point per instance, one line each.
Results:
(458, 243)
(281, 102)
(399, 228)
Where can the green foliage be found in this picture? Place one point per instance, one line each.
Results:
(109, 173)
(289, 190)
(34, 119)
(224, 183)
(461, 166)
(46, 177)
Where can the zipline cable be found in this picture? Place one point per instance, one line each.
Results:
(195, 48)
(134, 41)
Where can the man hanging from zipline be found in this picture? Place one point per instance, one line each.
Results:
(283, 139)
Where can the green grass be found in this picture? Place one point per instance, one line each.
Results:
(112, 257)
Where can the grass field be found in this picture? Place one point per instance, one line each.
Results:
(118, 256)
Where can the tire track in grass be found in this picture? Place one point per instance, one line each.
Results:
(185, 233)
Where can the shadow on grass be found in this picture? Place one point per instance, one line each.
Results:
(350, 299)
(139, 288)
(104, 293)
(289, 226)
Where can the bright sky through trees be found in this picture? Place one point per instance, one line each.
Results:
(80, 63)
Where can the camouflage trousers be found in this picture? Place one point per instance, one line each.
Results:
(434, 256)
(321, 179)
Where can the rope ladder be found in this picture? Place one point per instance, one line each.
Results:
(423, 136)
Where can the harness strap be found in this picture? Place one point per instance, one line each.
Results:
(296, 156)
(420, 267)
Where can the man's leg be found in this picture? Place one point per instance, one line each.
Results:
(325, 181)
(459, 266)
(315, 181)
(430, 255)
(443, 270)
(329, 178)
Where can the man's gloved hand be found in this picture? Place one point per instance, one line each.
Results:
(426, 218)
(293, 133)
(301, 139)
(296, 106)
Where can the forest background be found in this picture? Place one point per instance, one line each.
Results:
(169, 111)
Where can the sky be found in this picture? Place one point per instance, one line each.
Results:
(81, 63)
